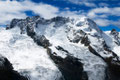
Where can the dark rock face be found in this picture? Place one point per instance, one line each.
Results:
(113, 69)
(7, 72)
(94, 52)
(85, 41)
(42, 41)
(70, 67)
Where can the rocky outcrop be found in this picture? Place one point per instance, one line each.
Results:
(60, 48)
(30, 31)
(116, 36)
(59, 21)
(7, 72)
(41, 40)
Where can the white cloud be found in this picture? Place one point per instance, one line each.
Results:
(73, 14)
(103, 22)
(106, 22)
(105, 10)
(116, 23)
(81, 2)
(88, 4)
(14, 9)
(103, 4)
(47, 11)
(101, 15)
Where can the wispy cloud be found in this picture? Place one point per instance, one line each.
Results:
(106, 10)
(101, 15)
(103, 4)
(84, 3)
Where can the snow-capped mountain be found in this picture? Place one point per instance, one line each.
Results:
(61, 49)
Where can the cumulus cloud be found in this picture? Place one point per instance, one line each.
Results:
(99, 13)
(14, 9)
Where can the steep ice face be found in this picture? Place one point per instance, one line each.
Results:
(86, 22)
(27, 58)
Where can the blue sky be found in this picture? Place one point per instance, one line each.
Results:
(106, 13)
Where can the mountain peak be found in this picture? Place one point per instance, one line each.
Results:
(76, 47)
